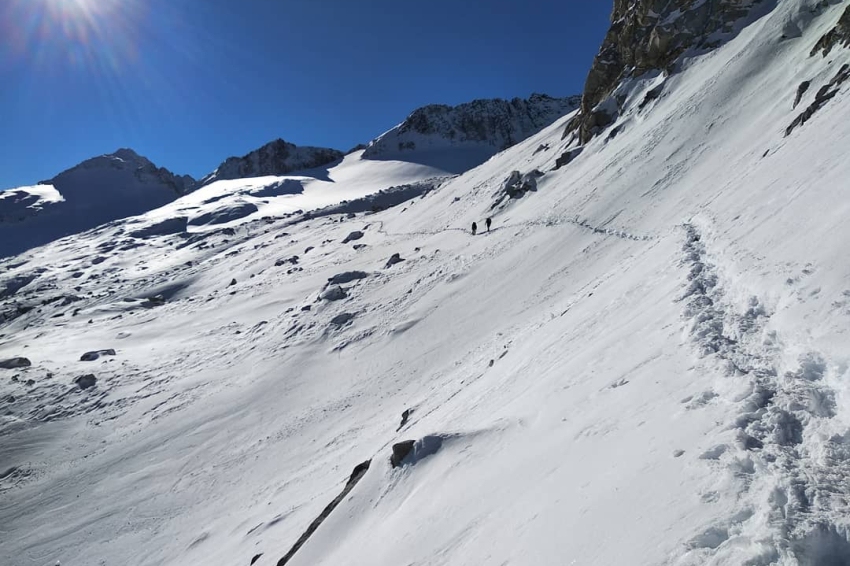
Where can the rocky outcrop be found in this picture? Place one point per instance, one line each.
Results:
(489, 126)
(837, 36)
(826, 93)
(649, 35)
(276, 158)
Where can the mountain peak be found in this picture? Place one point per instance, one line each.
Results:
(278, 157)
(480, 128)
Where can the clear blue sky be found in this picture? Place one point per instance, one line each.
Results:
(188, 83)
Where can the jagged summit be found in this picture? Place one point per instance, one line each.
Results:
(474, 131)
(648, 35)
(278, 157)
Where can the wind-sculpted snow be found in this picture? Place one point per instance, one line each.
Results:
(644, 361)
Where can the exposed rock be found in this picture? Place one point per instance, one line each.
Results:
(516, 186)
(274, 158)
(401, 451)
(86, 381)
(347, 277)
(649, 35)
(255, 558)
(356, 475)
(567, 157)
(156, 301)
(15, 363)
(94, 355)
(356, 235)
(839, 35)
(487, 126)
(293, 260)
(359, 246)
(232, 282)
(824, 95)
(342, 319)
(405, 415)
(801, 90)
(333, 294)
(394, 259)
(164, 228)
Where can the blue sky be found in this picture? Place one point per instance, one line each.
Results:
(188, 83)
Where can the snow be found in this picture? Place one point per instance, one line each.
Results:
(644, 362)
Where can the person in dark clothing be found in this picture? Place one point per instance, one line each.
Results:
(488, 222)
(474, 228)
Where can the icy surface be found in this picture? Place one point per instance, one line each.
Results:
(644, 362)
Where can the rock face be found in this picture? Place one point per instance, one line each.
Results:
(484, 126)
(839, 35)
(649, 35)
(276, 158)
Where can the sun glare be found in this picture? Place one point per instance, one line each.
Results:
(75, 32)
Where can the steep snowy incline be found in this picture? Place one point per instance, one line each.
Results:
(643, 362)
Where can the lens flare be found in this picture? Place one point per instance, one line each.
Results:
(49, 33)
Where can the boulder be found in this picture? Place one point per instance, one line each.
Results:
(15, 363)
(401, 451)
(86, 381)
(394, 259)
(95, 354)
(356, 235)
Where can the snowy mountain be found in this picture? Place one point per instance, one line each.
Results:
(98, 190)
(274, 158)
(466, 135)
(643, 362)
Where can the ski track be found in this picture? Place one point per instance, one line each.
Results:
(781, 457)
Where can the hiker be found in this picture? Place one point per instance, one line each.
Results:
(474, 228)
(488, 222)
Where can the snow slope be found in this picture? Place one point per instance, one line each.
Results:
(644, 362)
(99, 190)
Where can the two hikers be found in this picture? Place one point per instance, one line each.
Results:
(488, 222)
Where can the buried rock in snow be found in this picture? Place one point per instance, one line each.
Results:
(347, 277)
(92, 356)
(334, 294)
(394, 259)
(15, 363)
(356, 235)
(341, 319)
(412, 451)
(86, 381)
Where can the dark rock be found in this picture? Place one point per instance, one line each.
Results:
(94, 355)
(342, 319)
(356, 235)
(801, 90)
(306, 308)
(347, 277)
(401, 451)
(86, 381)
(15, 363)
(567, 157)
(156, 301)
(653, 94)
(516, 186)
(359, 246)
(30, 382)
(824, 95)
(10, 399)
(649, 35)
(394, 259)
(405, 415)
(839, 35)
(232, 282)
(256, 557)
(309, 248)
(292, 260)
(356, 475)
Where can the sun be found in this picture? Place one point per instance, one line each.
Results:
(47, 33)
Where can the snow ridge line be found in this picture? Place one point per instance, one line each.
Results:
(791, 469)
